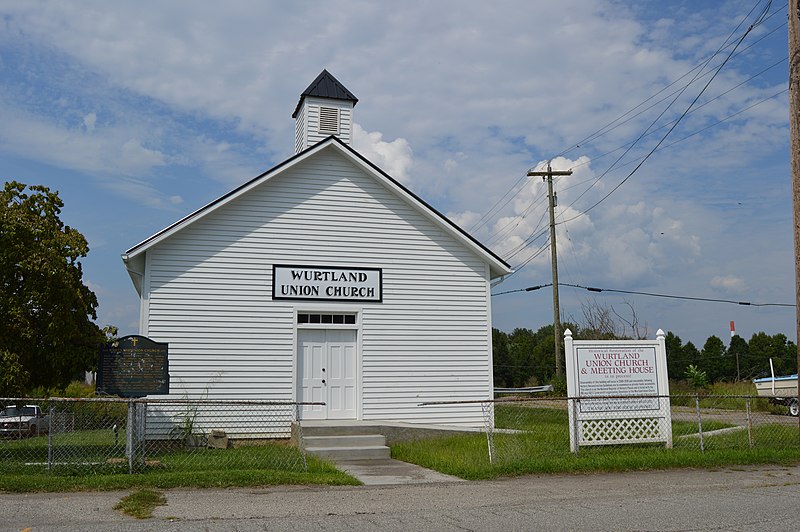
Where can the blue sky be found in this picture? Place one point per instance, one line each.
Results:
(141, 112)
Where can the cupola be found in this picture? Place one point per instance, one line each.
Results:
(325, 108)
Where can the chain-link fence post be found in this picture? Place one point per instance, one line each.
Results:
(141, 433)
(488, 423)
(749, 422)
(699, 422)
(301, 445)
(51, 414)
(134, 445)
(576, 426)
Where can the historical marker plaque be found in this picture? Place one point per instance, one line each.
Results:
(617, 371)
(134, 366)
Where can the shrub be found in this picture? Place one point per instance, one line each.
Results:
(559, 386)
(696, 377)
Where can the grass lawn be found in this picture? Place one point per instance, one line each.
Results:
(95, 460)
(722, 396)
(544, 448)
(92, 460)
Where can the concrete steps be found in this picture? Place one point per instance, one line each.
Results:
(345, 442)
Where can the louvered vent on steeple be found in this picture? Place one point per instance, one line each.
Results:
(325, 108)
(329, 120)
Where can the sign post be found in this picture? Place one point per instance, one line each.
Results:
(618, 391)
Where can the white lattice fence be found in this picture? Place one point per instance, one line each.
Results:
(618, 420)
(637, 430)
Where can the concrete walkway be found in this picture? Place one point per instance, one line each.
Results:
(388, 472)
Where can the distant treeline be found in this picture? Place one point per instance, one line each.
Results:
(526, 358)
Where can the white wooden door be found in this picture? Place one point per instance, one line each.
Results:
(341, 374)
(327, 373)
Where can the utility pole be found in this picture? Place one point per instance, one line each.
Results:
(548, 175)
(794, 136)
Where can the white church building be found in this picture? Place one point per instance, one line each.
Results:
(323, 280)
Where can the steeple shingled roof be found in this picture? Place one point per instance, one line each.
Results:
(326, 86)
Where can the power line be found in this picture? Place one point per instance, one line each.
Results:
(529, 289)
(696, 132)
(534, 236)
(515, 189)
(777, 63)
(517, 219)
(659, 149)
(526, 243)
(485, 218)
(651, 294)
(608, 127)
(674, 125)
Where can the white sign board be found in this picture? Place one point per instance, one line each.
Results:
(617, 371)
(321, 283)
(618, 391)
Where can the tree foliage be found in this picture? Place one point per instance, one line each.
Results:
(13, 377)
(526, 358)
(741, 360)
(47, 310)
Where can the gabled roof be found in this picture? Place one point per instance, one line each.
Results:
(325, 86)
(498, 267)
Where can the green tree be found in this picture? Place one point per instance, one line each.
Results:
(690, 354)
(737, 357)
(676, 359)
(544, 358)
(501, 359)
(13, 377)
(521, 344)
(47, 310)
(764, 347)
(790, 357)
(711, 358)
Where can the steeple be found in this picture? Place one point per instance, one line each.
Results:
(325, 108)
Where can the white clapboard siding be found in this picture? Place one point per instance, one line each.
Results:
(208, 292)
(307, 131)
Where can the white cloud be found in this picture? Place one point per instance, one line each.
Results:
(395, 157)
(135, 155)
(110, 152)
(470, 97)
(728, 283)
(89, 121)
(464, 220)
(142, 193)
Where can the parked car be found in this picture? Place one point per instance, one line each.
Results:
(28, 420)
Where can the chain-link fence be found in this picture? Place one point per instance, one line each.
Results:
(517, 429)
(103, 435)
